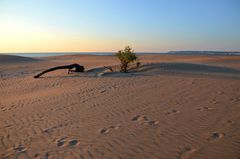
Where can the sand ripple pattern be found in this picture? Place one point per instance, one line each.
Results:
(138, 117)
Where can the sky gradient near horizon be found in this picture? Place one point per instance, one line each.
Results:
(109, 25)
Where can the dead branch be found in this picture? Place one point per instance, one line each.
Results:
(71, 68)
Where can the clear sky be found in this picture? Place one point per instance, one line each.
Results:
(109, 25)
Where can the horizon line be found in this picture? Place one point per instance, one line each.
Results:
(116, 51)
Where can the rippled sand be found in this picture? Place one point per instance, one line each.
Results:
(174, 107)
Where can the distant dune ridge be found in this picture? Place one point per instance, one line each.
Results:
(176, 107)
(4, 58)
(204, 52)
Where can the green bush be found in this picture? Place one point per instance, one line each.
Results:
(126, 56)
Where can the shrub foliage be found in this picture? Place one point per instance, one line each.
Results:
(126, 56)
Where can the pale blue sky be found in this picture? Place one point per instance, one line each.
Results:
(108, 25)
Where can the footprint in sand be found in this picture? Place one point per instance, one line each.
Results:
(18, 150)
(204, 109)
(108, 129)
(186, 153)
(172, 112)
(143, 120)
(73, 142)
(192, 82)
(36, 155)
(215, 102)
(102, 91)
(139, 118)
(47, 155)
(153, 123)
(104, 131)
(62, 142)
(220, 92)
(234, 100)
(216, 136)
(228, 123)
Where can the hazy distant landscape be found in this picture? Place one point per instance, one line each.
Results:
(204, 53)
(46, 54)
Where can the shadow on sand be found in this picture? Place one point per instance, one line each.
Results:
(187, 67)
(161, 69)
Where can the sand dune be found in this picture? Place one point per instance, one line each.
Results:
(175, 107)
(6, 59)
(190, 69)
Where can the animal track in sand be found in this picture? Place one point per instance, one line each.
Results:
(216, 136)
(143, 120)
(186, 153)
(107, 130)
(172, 112)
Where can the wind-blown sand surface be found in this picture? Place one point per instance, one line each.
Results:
(173, 107)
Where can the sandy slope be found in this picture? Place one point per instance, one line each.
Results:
(6, 59)
(174, 107)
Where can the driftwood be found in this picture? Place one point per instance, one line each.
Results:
(71, 68)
